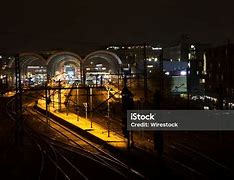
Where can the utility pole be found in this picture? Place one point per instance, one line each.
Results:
(220, 96)
(46, 102)
(158, 96)
(108, 111)
(77, 101)
(53, 92)
(145, 73)
(19, 110)
(91, 104)
(127, 104)
(161, 75)
(101, 80)
(84, 77)
(59, 97)
(188, 86)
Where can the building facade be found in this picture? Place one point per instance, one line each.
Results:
(193, 55)
(133, 56)
(220, 76)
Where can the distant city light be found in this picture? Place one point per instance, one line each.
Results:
(33, 67)
(99, 65)
(203, 80)
(183, 73)
(189, 56)
(204, 63)
(113, 47)
(167, 73)
(155, 59)
(156, 48)
(150, 66)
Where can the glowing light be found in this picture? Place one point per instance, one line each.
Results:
(204, 63)
(98, 65)
(113, 47)
(202, 81)
(189, 55)
(167, 73)
(189, 64)
(156, 48)
(183, 73)
(34, 67)
(192, 47)
(150, 66)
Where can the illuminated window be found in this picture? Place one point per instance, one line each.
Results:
(98, 65)
(204, 63)
(202, 81)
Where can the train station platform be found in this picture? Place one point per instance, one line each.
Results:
(88, 127)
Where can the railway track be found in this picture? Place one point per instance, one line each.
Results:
(198, 163)
(68, 157)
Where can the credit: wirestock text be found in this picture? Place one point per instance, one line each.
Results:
(180, 120)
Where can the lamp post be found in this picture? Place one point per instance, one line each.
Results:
(108, 111)
(77, 102)
(91, 106)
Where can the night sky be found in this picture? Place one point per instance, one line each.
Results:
(82, 25)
